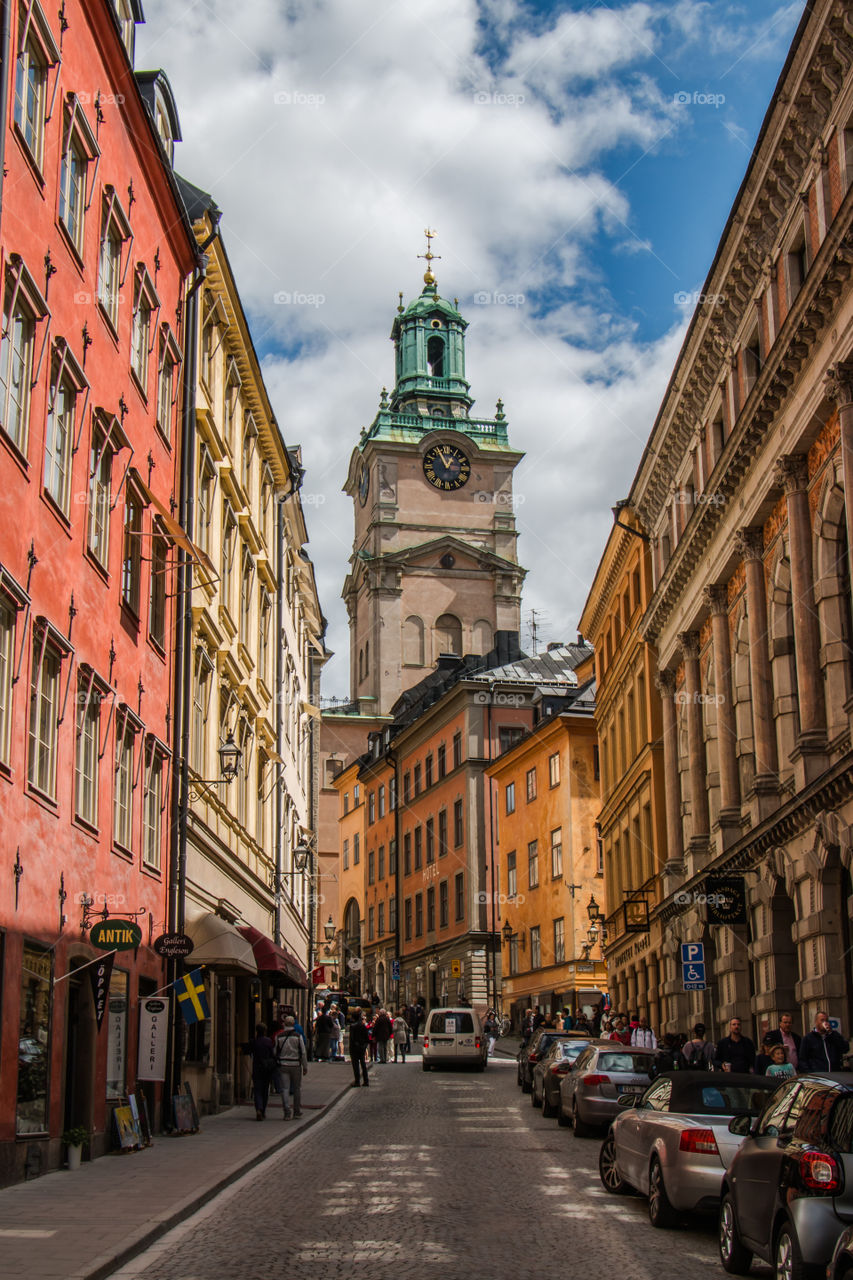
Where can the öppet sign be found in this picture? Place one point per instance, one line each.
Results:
(115, 935)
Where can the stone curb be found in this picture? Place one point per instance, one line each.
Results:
(154, 1229)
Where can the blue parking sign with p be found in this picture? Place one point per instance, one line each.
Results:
(693, 966)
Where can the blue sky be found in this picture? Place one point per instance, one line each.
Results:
(578, 161)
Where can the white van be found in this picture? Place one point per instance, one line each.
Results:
(454, 1037)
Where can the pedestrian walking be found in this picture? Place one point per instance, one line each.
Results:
(382, 1034)
(263, 1068)
(291, 1062)
(779, 1068)
(642, 1037)
(401, 1036)
(358, 1041)
(527, 1027)
(735, 1052)
(787, 1036)
(698, 1053)
(490, 1030)
(822, 1049)
(620, 1032)
(323, 1028)
(337, 1033)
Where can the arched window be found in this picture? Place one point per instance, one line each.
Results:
(447, 634)
(413, 642)
(435, 356)
(482, 636)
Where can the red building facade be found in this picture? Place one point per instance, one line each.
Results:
(96, 256)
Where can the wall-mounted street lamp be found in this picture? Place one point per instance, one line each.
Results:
(329, 930)
(506, 933)
(230, 758)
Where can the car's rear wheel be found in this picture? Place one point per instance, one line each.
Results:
(661, 1212)
(581, 1129)
(525, 1085)
(611, 1178)
(787, 1257)
(548, 1108)
(563, 1120)
(535, 1100)
(734, 1255)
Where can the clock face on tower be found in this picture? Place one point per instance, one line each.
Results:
(446, 466)
(363, 482)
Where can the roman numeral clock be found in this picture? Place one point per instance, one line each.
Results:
(446, 466)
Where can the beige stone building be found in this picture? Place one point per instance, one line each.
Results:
(745, 491)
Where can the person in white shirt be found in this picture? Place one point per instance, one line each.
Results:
(643, 1037)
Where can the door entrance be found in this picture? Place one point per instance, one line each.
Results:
(80, 1052)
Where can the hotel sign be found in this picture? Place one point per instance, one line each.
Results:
(115, 935)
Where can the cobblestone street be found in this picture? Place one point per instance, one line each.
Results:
(443, 1168)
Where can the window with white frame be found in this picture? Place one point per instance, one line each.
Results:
(115, 230)
(556, 853)
(145, 303)
(23, 307)
(202, 686)
(247, 579)
(36, 54)
(123, 780)
(554, 769)
(7, 659)
(87, 750)
(262, 807)
(204, 503)
(250, 436)
(131, 564)
(533, 864)
(44, 716)
(509, 797)
(267, 506)
(511, 875)
(60, 432)
(158, 573)
(232, 404)
(80, 148)
(170, 359)
(153, 804)
(229, 542)
(535, 947)
(100, 487)
(560, 940)
(127, 25)
(264, 621)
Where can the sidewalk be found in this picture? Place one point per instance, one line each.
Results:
(84, 1225)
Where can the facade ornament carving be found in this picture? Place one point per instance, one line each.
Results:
(750, 542)
(717, 598)
(839, 383)
(793, 471)
(665, 682)
(689, 643)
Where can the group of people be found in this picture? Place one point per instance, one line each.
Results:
(279, 1061)
(783, 1052)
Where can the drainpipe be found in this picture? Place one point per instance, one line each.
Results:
(491, 947)
(5, 39)
(279, 732)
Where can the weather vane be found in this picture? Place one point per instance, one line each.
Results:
(430, 257)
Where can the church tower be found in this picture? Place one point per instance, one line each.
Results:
(434, 568)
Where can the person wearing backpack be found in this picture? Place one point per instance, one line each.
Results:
(698, 1053)
(291, 1062)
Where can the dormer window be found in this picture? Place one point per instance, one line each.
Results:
(435, 357)
(164, 128)
(127, 25)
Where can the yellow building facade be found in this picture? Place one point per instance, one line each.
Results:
(545, 798)
(632, 818)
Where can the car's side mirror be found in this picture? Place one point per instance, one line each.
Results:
(741, 1125)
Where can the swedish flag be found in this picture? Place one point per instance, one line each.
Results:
(192, 998)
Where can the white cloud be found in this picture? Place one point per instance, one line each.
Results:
(377, 133)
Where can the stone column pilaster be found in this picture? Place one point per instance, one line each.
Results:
(674, 834)
(793, 471)
(750, 543)
(717, 600)
(839, 386)
(701, 822)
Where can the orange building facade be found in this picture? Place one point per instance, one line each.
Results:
(545, 795)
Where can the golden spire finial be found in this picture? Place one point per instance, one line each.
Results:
(429, 278)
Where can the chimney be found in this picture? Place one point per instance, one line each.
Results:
(446, 661)
(581, 640)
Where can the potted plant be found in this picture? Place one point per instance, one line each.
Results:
(74, 1139)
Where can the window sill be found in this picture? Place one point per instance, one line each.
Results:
(100, 569)
(158, 647)
(148, 869)
(45, 801)
(137, 382)
(29, 156)
(15, 450)
(130, 618)
(108, 322)
(164, 435)
(76, 256)
(57, 512)
(121, 852)
(83, 824)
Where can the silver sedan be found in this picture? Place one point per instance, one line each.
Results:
(589, 1094)
(672, 1143)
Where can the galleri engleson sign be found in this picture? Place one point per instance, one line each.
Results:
(115, 935)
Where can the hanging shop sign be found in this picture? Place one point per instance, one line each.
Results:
(725, 898)
(153, 1037)
(173, 946)
(115, 935)
(99, 975)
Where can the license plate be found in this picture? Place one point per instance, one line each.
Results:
(438, 1040)
(625, 1088)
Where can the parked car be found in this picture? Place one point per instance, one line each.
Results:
(590, 1092)
(454, 1038)
(841, 1263)
(788, 1193)
(549, 1071)
(537, 1046)
(673, 1143)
